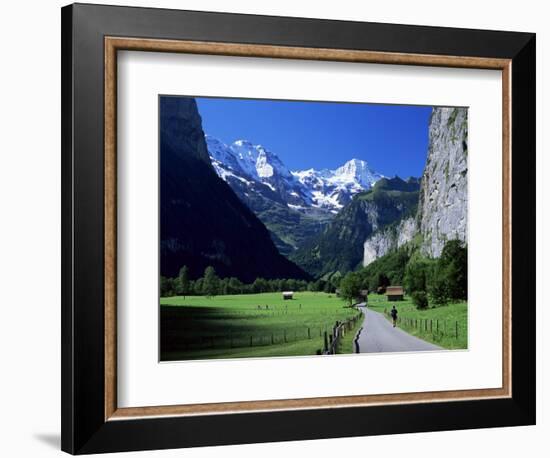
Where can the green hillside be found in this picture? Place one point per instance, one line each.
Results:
(339, 248)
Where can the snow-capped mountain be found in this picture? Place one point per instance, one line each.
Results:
(260, 168)
(334, 188)
(242, 162)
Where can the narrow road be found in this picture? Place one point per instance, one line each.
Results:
(378, 335)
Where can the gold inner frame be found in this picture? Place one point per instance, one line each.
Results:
(114, 44)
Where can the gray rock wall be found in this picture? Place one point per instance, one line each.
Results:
(443, 204)
(391, 238)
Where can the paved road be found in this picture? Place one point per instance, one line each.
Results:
(378, 335)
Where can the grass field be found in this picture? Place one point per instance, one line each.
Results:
(346, 344)
(252, 325)
(446, 326)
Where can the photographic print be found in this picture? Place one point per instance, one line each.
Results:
(302, 228)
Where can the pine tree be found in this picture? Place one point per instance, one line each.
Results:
(210, 283)
(183, 282)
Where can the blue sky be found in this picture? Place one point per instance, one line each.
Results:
(393, 139)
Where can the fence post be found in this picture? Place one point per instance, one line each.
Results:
(284, 335)
(271, 338)
(326, 342)
(308, 333)
(251, 341)
(456, 329)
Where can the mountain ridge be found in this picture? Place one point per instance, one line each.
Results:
(294, 205)
(325, 189)
(202, 221)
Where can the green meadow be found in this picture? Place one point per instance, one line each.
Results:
(446, 325)
(251, 325)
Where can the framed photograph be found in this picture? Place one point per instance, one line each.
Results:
(281, 228)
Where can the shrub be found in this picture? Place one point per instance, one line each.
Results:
(420, 299)
(454, 260)
(417, 273)
(350, 287)
(439, 288)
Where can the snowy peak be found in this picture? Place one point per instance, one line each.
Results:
(358, 171)
(332, 189)
(327, 190)
(221, 154)
(354, 172)
(246, 154)
(253, 160)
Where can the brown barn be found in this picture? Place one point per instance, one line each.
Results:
(287, 295)
(394, 293)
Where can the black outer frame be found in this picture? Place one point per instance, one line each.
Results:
(84, 429)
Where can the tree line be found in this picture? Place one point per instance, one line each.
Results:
(211, 285)
(428, 280)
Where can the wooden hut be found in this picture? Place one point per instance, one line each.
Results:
(394, 293)
(288, 295)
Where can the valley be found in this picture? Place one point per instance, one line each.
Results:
(319, 219)
(241, 233)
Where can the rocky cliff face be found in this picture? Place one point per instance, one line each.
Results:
(181, 129)
(443, 203)
(388, 239)
(202, 221)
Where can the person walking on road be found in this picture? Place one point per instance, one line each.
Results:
(393, 314)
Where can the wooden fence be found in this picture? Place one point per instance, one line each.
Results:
(174, 340)
(332, 340)
(425, 325)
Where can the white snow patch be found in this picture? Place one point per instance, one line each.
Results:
(295, 207)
